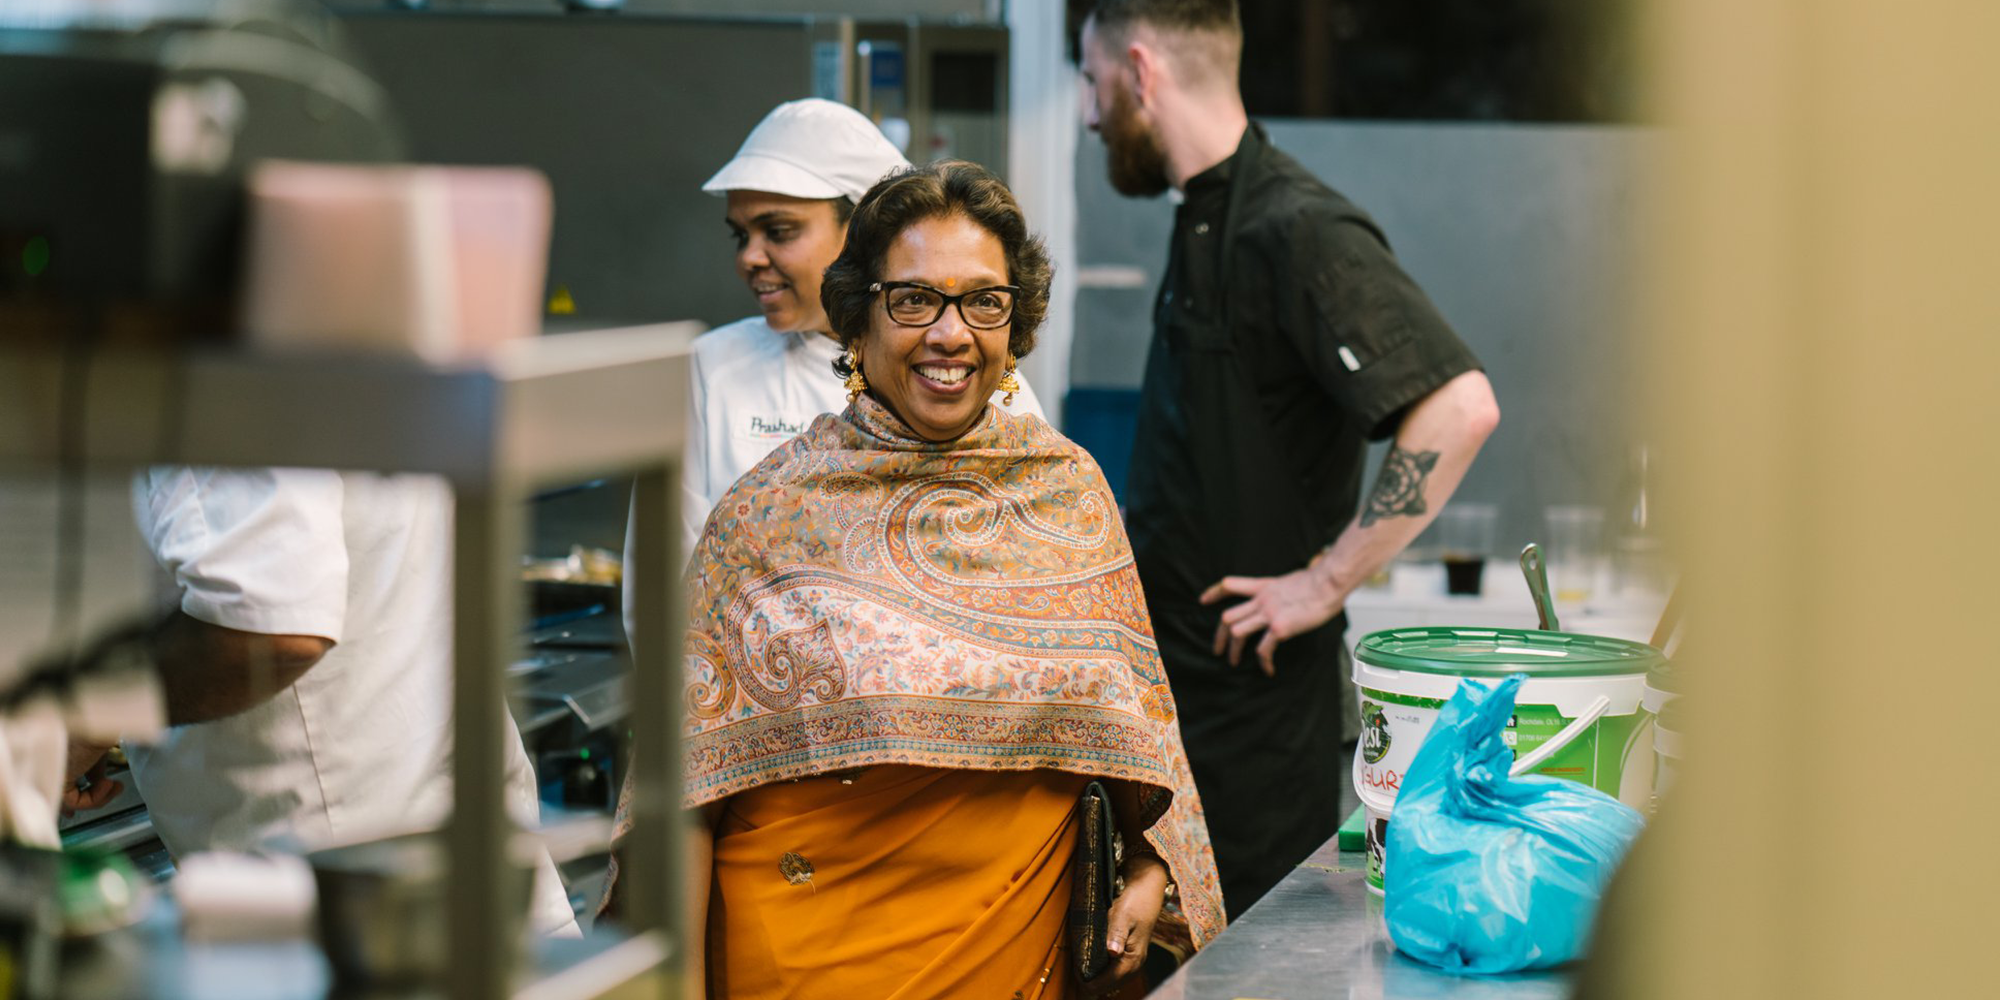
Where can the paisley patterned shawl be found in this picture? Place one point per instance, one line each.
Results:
(864, 597)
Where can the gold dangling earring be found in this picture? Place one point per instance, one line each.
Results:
(1010, 383)
(855, 383)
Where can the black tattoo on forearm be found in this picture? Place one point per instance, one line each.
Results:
(1399, 487)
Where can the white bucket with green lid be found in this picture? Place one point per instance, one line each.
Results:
(1578, 716)
(1663, 686)
(1663, 696)
(1667, 748)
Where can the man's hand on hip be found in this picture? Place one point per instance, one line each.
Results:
(1434, 446)
(1281, 607)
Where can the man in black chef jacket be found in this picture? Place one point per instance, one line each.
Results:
(1285, 338)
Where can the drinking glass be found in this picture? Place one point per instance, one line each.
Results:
(1465, 537)
(1574, 550)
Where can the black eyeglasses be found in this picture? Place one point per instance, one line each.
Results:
(912, 304)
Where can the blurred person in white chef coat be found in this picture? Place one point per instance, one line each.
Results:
(760, 381)
(307, 670)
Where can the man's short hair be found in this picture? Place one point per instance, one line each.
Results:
(1172, 15)
(1115, 20)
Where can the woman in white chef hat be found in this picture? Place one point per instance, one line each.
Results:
(761, 380)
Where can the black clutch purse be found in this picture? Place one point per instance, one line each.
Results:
(1093, 870)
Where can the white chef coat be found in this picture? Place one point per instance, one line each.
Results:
(360, 746)
(752, 390)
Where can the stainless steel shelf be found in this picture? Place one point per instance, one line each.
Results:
(536, 414)
(541, 412)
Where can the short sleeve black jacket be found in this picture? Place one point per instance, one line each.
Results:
(1286, 336)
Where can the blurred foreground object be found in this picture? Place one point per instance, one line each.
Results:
(110, 689)
(30, 922)
(1489, 873)
(228, 896)
(32, 747)
(124, 132)
(382, 908)
(438, 262)
(1825, 265)
(101, 891)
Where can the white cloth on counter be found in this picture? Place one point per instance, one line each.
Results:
(360, 746)
(752, 390)
(227, 896)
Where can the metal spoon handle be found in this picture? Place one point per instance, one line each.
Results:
(1538, 585)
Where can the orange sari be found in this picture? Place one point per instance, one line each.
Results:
(923, 884)
(964, 620)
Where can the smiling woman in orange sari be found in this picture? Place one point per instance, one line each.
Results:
(915, 634)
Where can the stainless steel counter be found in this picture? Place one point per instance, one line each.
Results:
(1319, 934)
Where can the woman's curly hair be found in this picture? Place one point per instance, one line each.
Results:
(913, 195)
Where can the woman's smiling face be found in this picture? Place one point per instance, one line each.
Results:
(783, 245)
(938, 378)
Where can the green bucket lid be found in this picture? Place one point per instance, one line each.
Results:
(1497, 652)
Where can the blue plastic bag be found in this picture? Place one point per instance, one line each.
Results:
(1487, 873)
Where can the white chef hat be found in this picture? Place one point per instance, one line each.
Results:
(812, 148)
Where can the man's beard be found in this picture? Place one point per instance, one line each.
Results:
(1138, 164)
